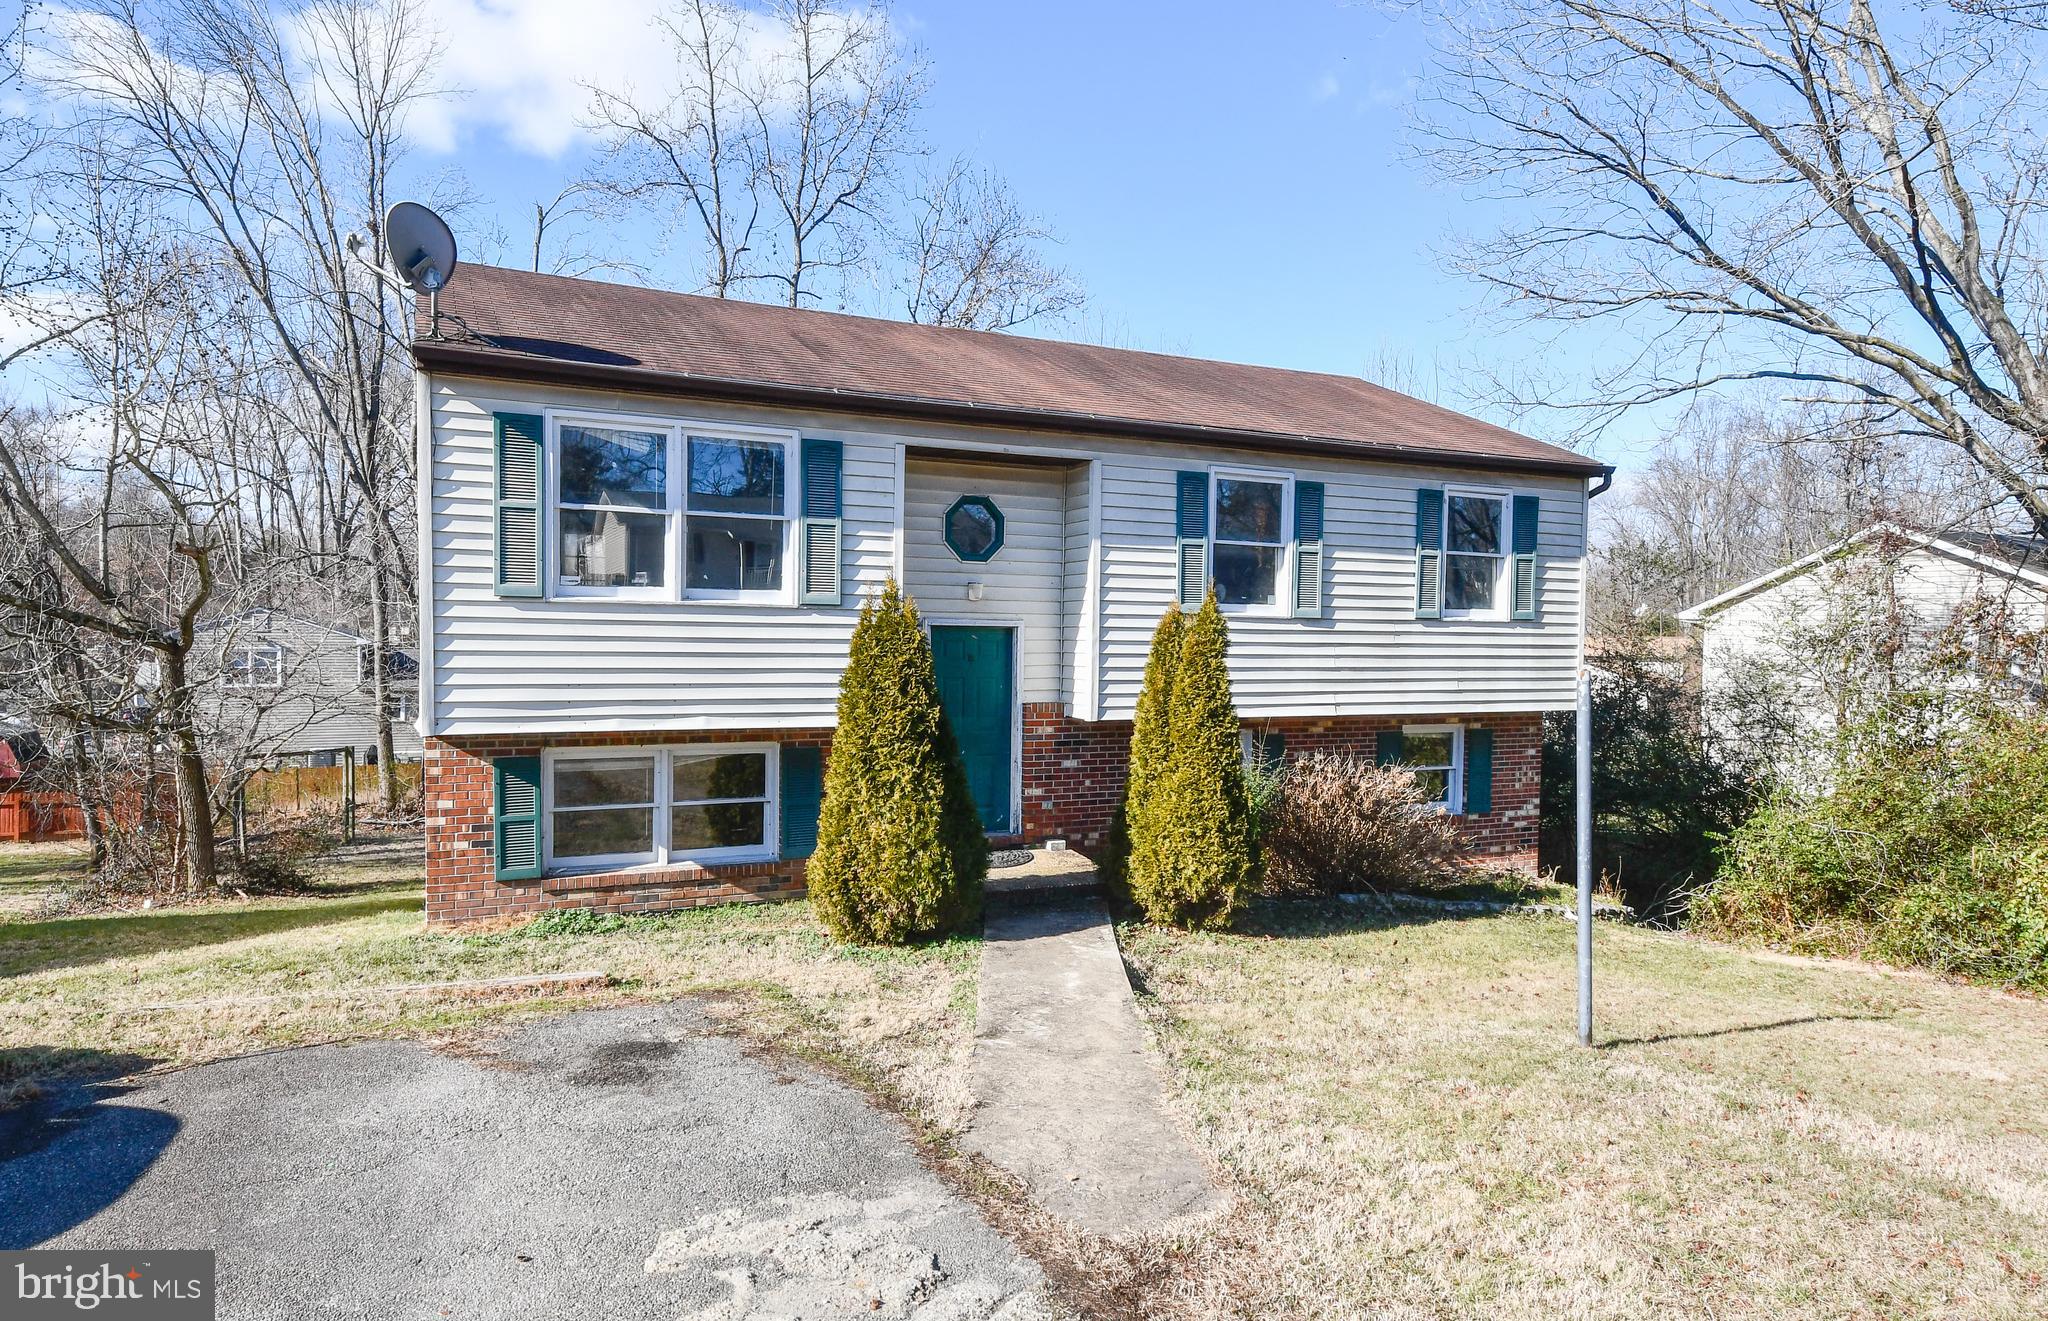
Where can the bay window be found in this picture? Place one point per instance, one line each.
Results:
(1249, 546)
(633, 807)
(654, 510)
(1475, 553)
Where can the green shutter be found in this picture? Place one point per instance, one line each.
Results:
(1523, 579)
(519, 438)
(818, 530)
(801, 794)
(515, 818)
(1429, 553)
(1308, 550)
(1191, 538)
(1478, 772)
(1389, 747)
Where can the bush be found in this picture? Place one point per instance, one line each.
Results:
(1664, 792)
(1339, 823)
(1151, 743)
(901, 853)
(1932, 853)
(1192, 853)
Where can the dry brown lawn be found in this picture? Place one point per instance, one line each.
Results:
(1399, 1103)
(1415, 1133)
(184, 985)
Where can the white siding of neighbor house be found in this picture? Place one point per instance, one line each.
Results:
(508, 665)
(1022, 585)
(1764, 630)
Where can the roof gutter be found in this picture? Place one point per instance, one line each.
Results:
(440, 354)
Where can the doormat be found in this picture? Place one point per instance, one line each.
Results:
(1008, 858)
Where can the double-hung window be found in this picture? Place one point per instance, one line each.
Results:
(1435, 756)
(737, 518)
(1253, 511)
(253, 665)
(666, 511)
(613, 507)
(633, 807)
(1475, 554)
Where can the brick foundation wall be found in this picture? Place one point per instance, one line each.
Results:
(1074, 771)
(462, 887)
(1073, 778)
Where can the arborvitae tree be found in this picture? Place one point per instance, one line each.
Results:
(901, 853)
(1192, 857)
(1151, 746)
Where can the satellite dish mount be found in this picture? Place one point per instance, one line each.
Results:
(421, 251)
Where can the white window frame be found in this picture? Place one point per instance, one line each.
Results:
(1454, 792)
(1284, 574)
(249, 650)
(1501, 560)
(663, 854)
(792, 478)
(677, 432)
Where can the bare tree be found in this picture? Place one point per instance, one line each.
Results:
(1794, 191)
(835, 113)
(279, 135)
(1744, 487)
(689, 151)
(972, 256)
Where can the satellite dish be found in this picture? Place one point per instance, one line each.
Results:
(421, 246)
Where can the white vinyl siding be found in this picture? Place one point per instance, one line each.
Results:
(504, 665)
(1022, 585)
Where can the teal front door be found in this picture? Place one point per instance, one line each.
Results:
(974, 686)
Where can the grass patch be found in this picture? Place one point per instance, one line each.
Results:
(30, 871)
(186, 985)
(1415, 1132)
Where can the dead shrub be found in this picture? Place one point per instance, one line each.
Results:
(1338, 823)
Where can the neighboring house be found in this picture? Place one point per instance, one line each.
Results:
(652, 519)
(290, 686)
(1805, 634)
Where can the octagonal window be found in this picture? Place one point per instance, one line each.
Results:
(974, 528)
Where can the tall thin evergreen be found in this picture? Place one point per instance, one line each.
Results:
(1151, 745)
(901, 853)
(1193, 854)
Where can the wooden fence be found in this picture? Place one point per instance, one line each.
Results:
(30, 818)
(297, 789)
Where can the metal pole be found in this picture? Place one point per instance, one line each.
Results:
(242, 821)
(1583, 799)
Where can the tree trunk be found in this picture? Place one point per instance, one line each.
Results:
(88, 801)
(380, 694)
(195, 805)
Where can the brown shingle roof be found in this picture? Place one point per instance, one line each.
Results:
(513, 323)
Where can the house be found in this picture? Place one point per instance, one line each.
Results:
(285, 685)
(651, 520)
(1888, 596)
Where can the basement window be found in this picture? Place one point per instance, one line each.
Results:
(1435, 756)
(610, 808)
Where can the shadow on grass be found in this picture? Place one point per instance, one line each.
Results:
(1707, 1034)
(70, 1153)
(77, 942)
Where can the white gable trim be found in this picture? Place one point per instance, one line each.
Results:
(1698, 614)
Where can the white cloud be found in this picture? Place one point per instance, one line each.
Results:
(522, 69)
(1325, 88)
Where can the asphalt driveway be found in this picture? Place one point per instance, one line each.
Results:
(621, 1163)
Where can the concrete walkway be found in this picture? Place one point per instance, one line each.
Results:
(1067, 1095)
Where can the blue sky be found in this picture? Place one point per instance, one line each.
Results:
(1227, 182)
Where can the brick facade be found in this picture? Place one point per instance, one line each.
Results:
(1073, 776)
